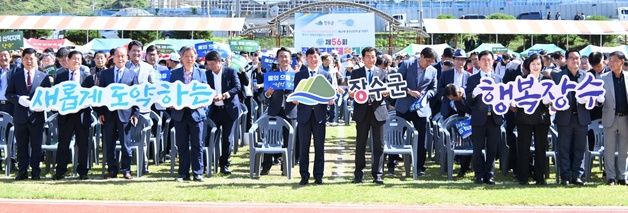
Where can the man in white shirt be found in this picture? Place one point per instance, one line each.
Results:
(146, 73)
(225, 109)
(27, 123)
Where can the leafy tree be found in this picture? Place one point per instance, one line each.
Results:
(79, 37)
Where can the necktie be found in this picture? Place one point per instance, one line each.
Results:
(72, 76)
(119, 78)
(1, 79)
(370, 76)
(29, 80)
(312, 73)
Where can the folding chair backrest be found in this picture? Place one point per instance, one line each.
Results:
(156, 119)
(598, 133)
(397, 131)
(5, 123)
(52, 133)
(554, 138)
(210, 127)
(140, 131)
(449, 125)
(271, 129)
(254, 110)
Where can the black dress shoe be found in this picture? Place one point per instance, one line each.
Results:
(318, 181)
(611, 182)
(21, 176)
(523, 182)
(111, 175)
(489, 181)
(35, 177)
(378, 181)
(303, 182)
(461, 174)
(264, 172)
(420, 174)
(83, 177)
(478, 181)
(621, 182)
(541, 182)
(225, 170)
(58, 177)
(578, 182)
(198, 178)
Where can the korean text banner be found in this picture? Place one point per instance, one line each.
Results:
(69, 97)
(244, 45)
(267, 62)
(528, 93)
(341, 32)
(279, 80)
(11, 40)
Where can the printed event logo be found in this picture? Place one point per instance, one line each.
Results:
(312, 91)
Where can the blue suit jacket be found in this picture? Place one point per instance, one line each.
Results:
(199, 114)
(564, 117)
(479, 109)
(427, 85)
(129, 78)
(305, 111)
(230, 84)
(16, 87)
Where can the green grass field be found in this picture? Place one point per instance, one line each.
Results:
(432, 189)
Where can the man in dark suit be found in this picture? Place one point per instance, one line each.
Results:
(118, 123)
(485, 123)
(225, 109)
(422, 81)
(73, 125)
(189, 123)
(572, 127)
(596, 60)
(457, 76)
(456, 97)
(511, 140)
(369, 116)
(311, 122)
(29, 125)
(448, 55)
(277, 105)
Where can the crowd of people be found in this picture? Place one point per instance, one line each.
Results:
(450, 85)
